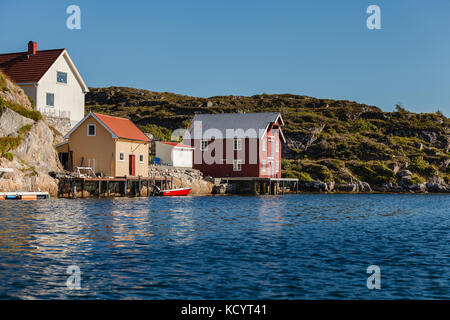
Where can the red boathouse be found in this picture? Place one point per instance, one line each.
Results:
(237, 145)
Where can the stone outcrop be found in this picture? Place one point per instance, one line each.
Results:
(184, 178)
(14, 93)
(35, 156)
(11, 122)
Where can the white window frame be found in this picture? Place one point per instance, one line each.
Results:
(264, 144)
(141, 161)
(122, 154)
(95, 130)
(237, 165)
(237, 144)
(57, 72)
(204, 147)
(277, 145)
(263, 165)
(277, 165)
(46, 99)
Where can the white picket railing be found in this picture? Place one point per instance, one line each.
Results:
(56, 113)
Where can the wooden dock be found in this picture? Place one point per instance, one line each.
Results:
(263, 186)
(81, 187)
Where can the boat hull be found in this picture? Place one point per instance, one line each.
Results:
(176, 192)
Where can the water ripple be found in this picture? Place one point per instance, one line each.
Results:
(230, 247)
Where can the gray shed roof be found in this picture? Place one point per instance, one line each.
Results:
(222, 122)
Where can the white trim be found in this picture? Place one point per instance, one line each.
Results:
(61, 144)
(67, 78)
(67, 136)
(237, 163)
(122, 153)
(74, 69)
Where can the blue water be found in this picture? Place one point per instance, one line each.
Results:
(227, 247)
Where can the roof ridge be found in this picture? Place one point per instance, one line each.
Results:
(26, 52)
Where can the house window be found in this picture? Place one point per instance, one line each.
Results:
(263, 166)
(50, 100)
(264, 144)
(61, 77)
(237, 165)
(277, 145)
(121, 156)
(237, 144)
(91, 130)
(204, 145)
(277, 166)
(141, 158)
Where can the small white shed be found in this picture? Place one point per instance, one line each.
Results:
(174, 154)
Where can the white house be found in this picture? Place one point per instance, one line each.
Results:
(174, 154)
(50, 78)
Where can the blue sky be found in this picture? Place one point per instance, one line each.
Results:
(208, 47)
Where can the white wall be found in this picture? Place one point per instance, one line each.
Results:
(68, 97)
(182, 157)
(173, 156)
(164, 152)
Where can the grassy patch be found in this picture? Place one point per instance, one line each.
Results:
(31, 114)
(8, 144)
(373, 172)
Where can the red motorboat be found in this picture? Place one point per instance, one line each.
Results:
(176, 192)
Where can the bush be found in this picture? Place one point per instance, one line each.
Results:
(9, 143)
(31, 114)
(9, 156)
(400, 109)
(373, 172)
(420, 166)
(158, 132)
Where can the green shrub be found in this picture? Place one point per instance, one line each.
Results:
(158, 132)
(373, 172)
(303, 176)
(420, 166)
(9, 156)
(31, 114)
(3, 82)
(9, 143)
(417, 179)
(400, 109)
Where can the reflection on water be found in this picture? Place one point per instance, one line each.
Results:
(299, 246)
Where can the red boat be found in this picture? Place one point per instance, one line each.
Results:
(176, 192)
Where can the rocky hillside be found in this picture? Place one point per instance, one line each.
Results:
(26, 143)
(332, 144)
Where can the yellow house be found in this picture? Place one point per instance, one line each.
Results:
(109, 145)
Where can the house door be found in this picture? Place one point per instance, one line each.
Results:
(132, 165)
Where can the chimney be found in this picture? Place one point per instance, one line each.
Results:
(32, 47)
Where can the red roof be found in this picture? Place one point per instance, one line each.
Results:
(121, 127)
(175, 144)
(22, 67)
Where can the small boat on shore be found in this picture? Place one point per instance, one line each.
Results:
(18, 195)
(172, 192)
